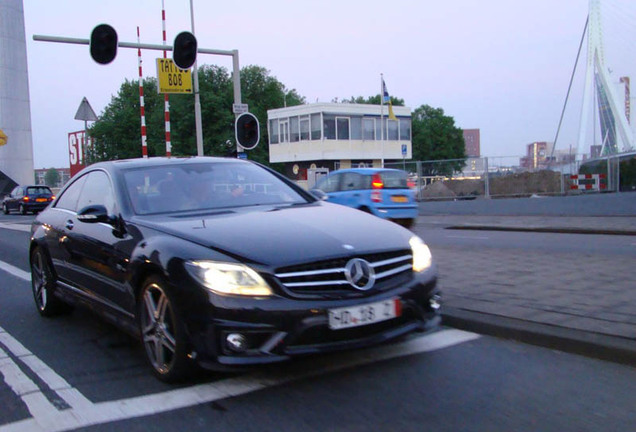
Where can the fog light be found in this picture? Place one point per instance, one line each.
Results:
(434, 302)
(236, 342)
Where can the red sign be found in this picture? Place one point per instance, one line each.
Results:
(76, 151)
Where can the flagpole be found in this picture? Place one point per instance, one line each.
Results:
(382, 116)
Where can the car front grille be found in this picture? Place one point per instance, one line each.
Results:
(327, 278)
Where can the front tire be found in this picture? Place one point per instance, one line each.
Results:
(43, 284)
(162, 332)
(5, 209)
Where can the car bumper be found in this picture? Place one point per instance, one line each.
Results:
(396, 212)
(277, 329)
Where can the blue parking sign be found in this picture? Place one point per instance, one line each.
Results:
(403, 149)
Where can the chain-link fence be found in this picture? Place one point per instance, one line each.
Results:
(518, 176)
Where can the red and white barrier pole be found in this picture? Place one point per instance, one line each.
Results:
(166, 101)
(144, 146)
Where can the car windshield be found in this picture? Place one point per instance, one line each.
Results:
(205, 186)
(39, 190)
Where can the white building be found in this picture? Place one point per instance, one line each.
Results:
(16, 153)
(337, 135)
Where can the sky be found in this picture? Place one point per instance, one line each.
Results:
(502, 66)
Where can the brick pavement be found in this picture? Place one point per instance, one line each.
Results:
(588, 305)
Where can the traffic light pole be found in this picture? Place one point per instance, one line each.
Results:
(235, 65)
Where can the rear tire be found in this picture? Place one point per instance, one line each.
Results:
(43, 285)
(162, 332)
(22, 209)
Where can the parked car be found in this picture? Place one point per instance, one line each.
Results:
(226, 263)
(27, 199)
(381, 191)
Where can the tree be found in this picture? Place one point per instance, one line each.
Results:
(117, 134)
(435, 138)
(52, 177)
(373, 100)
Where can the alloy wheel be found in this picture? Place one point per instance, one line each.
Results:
(158, 329)
(39, 281)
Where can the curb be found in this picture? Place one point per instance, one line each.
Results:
(595, 345)
(543, 229)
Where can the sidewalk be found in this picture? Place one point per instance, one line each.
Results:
(565, 301)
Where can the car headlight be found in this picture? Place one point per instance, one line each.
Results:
(229, 278)
(422, 258)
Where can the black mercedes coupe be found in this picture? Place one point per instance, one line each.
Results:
(226, 263)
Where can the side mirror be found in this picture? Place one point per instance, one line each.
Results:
(319, 194)
(94, 214)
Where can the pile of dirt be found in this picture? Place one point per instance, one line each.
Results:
(519, 184)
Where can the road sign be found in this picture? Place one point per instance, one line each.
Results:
(85, 112)
(3, 138)
(241, 155)
(171, 78)
(403, 149)
(239, 108)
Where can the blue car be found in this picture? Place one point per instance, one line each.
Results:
(381, 191)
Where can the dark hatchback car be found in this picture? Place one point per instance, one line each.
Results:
(226, 263)
(27, 199)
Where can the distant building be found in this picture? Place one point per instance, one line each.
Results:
(337, 135)
(65, 175)
(472, 143)
(537, 155)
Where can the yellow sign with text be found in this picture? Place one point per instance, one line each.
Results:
(171, 78)
(3, 138)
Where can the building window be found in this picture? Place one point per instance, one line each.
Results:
(329, 126)
(392, 127)
(273, 128)
(304, 128)
(368, 129)
(356, 128)
(405, 129)
(293, 124)
(284, 130)
(342, 128)
(315, 127)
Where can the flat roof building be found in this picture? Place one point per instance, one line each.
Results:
(337, 135)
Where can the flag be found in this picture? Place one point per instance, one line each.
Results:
(391, 115)
(385, 93)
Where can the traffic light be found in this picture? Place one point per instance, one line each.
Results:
(184, 51)
(103, 44)
(247, 130)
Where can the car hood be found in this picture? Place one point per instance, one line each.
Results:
(286, 236)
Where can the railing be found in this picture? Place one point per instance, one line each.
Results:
(493, 177)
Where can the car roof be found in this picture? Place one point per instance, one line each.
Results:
(367, 170)
(122, 164)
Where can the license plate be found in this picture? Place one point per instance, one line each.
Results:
(399, 199)
(366, 314)
(41, 200)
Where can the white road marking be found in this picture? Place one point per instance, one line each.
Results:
(55, 382)
(16, 227)
(15, 271)
(88, 414)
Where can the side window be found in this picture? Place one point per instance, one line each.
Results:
(68, 200)
(97, 190)
(352, 181)
(329, 183)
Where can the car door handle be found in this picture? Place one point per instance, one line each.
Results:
(69, 224)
